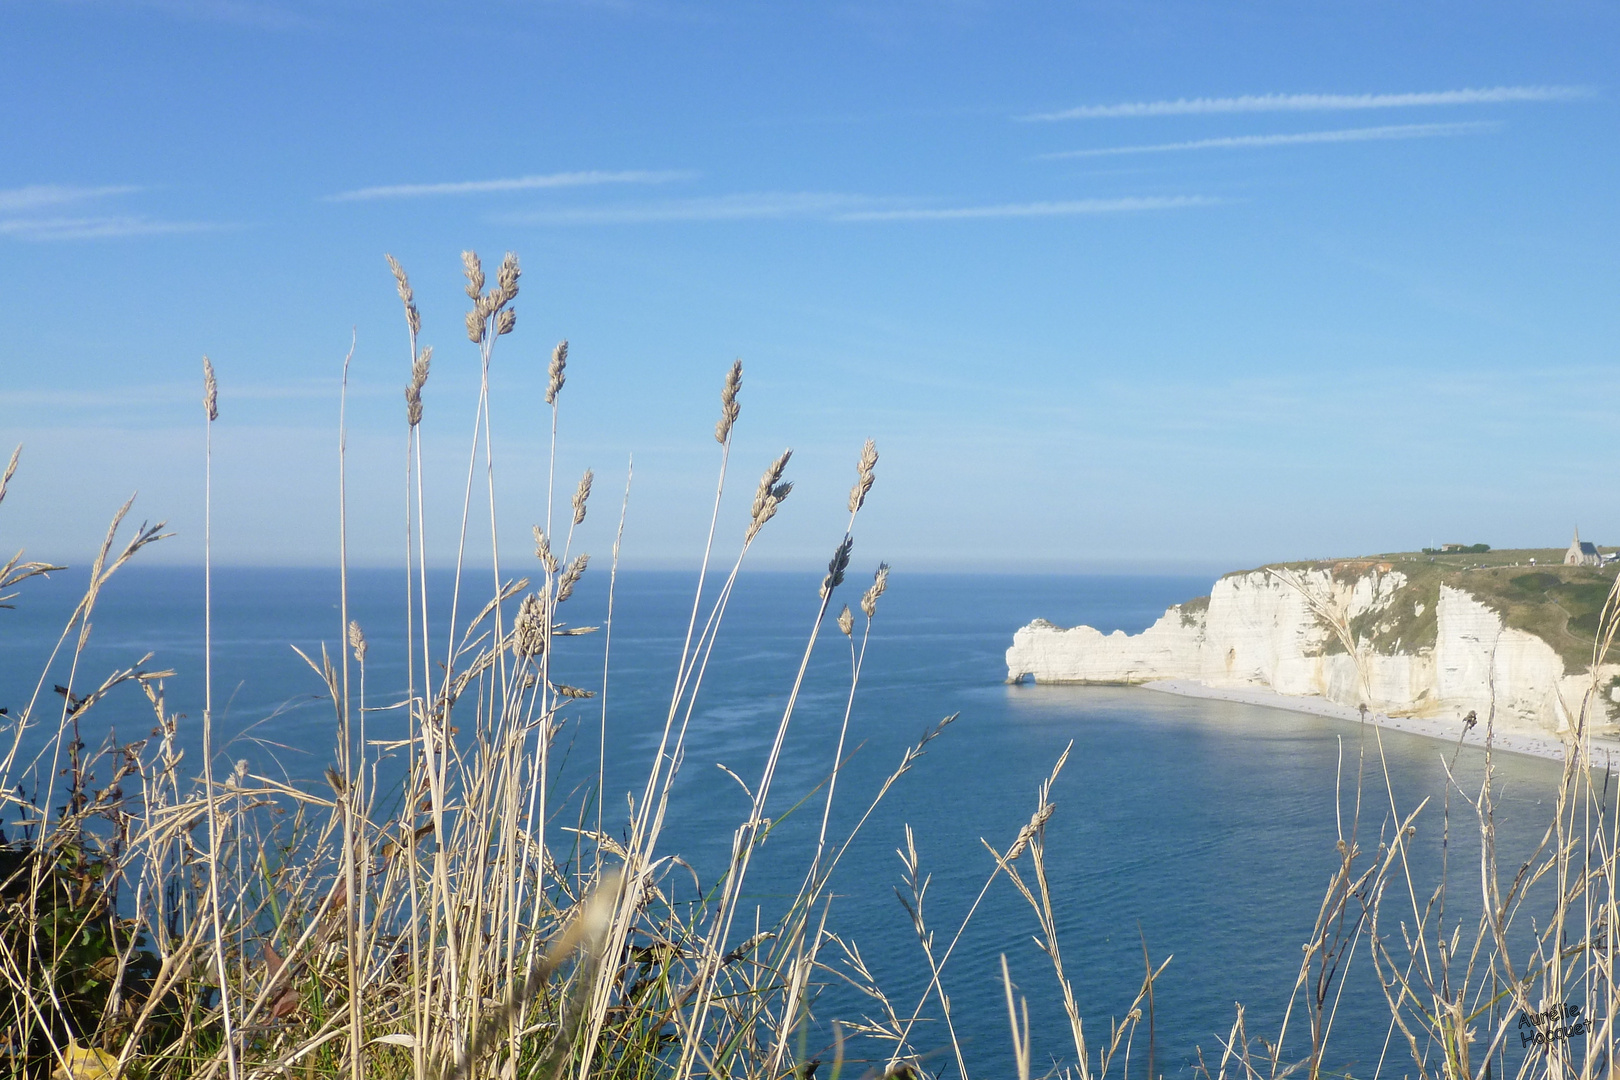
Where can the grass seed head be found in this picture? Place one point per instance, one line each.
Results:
(11, 470)
(564, 690)
(357, 641)
(836, 567)
(507, 278)
(505, 321)
(880, 581)
(210, 391)
(475, 274)
(413, 317)
(728, 403)
(581, 495)
(1036, 823)
(863, 476)
(559, 363)
(768, 496)
(846, 621)
(529, 628)
(413, 390)
(475, 326)
(485, 305)
(542, 550)
(570, 577)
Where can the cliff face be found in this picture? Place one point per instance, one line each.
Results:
(1273, 629)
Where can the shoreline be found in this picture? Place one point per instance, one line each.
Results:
(1444, 731)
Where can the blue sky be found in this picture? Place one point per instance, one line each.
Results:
(1113, 286)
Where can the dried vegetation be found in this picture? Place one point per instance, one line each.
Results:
(174, 918)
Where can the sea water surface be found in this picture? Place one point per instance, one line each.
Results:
(1202, 830)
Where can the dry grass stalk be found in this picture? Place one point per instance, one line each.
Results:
(1020, 1025)
(216, 918)
(416, 614)
(767, 497)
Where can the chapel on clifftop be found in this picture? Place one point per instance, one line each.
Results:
(1582, 553)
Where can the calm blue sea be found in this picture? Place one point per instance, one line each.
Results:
(1205, 829)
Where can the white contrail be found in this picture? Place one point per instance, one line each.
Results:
(1317, 102)
(1243, 142)
(515, 183)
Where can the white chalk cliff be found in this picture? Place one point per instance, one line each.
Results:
(1273, 630)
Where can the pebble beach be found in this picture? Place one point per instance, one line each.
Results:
(1443, 729)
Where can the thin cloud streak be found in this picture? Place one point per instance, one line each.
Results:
(1036, 209)
(840, 208)
(587, 178)
(29, 201)
(38, 196)
(1316, 102)
(740, 207)
(97, 228)
(1245, 142)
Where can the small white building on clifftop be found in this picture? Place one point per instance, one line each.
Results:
(1581, 553)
